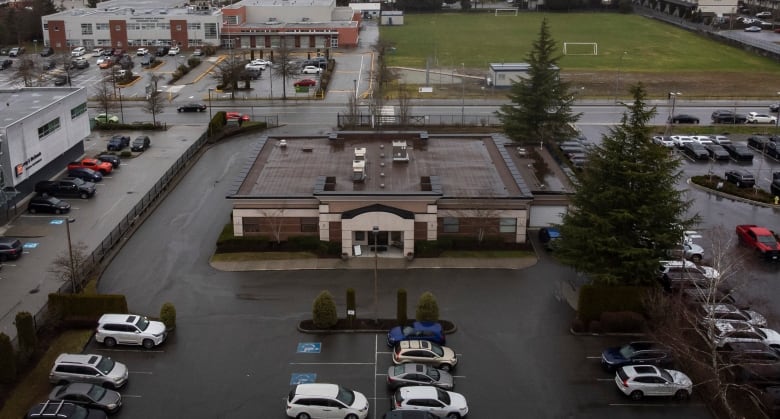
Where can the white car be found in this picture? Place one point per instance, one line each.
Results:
(702, 139)
(260, 61)
(663, 140)
(101, 59)
(668, 265)
(638, 381)
(753, 28)
(78, 52)
(141, 52)
(255, 67)
(723, 332)
(174, 51)
(760, 118)
(730, 313)
(319, 400)
(763, 15)
(720, 139)
(129, 329)
(440, 403)
(310, 69)
(680, 140)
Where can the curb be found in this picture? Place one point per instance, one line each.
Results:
(729, 196)
(335, 331)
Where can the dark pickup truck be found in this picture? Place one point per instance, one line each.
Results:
(66, 187)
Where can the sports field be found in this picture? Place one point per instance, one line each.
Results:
(659, 54)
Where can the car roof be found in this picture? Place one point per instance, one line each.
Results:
(415, 344)
(90, 359)
(641, 370)
(118, 318)
(317, 389)
(418, 392)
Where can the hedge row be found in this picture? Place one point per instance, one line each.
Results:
(712, 182)
(434, 248)
(86, 308)
(228, 243)
(145, 126)
(595, 300)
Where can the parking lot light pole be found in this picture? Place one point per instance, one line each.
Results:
(617, 78)
(210, 115)
(462, 94)
(121, 109)
(673, 97)
(70, 254)
(35, 46)
(777, 121)
(375, 231)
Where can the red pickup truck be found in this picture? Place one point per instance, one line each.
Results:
(760, 238)
(94, 164)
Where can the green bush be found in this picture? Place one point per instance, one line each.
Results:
(622, 322)
(168, 315)
(7, 360)
(28, 336)
(86, 308)
(144, 126)
(400, 307)
(427, 308)
(303, 243)
(193, 62)
(594, 300)
(324, 314)
(712, 182)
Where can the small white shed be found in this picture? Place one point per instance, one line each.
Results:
(392, 17)
(367, 10)
(503, 74)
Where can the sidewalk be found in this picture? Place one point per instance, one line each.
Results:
(381, 263)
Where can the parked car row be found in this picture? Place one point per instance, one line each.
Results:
(723, 116)
(576, 151)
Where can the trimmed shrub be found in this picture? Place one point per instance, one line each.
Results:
(622, 322)
(168, 315)
(85, 309)
(193, 62)
(303, 243)
(594, 300)
(28, 338)
(7, 360)
(324, 314)
(400, 307)
(427, 308)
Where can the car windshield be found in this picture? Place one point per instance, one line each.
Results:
(627, 351)
(346, 396)
(433, 373)
(96, 392)
(399, 369)
(437, 350)
(443, 396)
(665, 375)
(768, 240)
(105, 365)
(79, 413)
(142, 323)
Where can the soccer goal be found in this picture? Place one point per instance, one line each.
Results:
(507, 11)
(580, 48)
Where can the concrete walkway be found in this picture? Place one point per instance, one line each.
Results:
(381, 263)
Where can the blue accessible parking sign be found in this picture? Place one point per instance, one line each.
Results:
(297, 378)
(309, 347)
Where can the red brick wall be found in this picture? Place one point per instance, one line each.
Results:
(58, 35)
(179, 33)
(118, 29)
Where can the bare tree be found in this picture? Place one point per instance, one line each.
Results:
(275, 220)
(228, 73)
(677, 321)
(284, 67)
(155, 103)
(26, 71)
(104, 96)
(70, 264)
(404, 105)
(353, 111)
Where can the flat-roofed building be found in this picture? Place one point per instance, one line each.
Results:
(449, 185)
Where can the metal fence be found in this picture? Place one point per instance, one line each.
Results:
(396, 121)
(96, 257)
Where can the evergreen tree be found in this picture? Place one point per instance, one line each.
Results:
(626, 210)
(541, 104)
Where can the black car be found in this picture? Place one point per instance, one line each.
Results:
(63, 410)
(739, 152)
(770, 401)
(684, 119)
(80, 64)
(717, 152)
(141, 143)
(775, 107)
(61, 79)
(749, 353)
(118, 142)
(162, 51)
(125, 62)
(723, 116)
(192, 107)
(741, 178)
(41, 203)
(757, 375)
(49, 64)
(87, 395)
(107, 52)
(85, 174)
(758, 142)
(47, 51)
(696, 151)
(110, 158)
(636, 353)
(5, 64)
(10, 248)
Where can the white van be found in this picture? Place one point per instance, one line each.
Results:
(78, 52)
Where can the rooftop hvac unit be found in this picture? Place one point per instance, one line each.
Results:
(360, 153)
(399, 151)
(358, 170)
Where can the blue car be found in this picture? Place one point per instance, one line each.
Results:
(548, 237)
(635, 353)
(430, 331)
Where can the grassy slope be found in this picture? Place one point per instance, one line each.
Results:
(479, 39)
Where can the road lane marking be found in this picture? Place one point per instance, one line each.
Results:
(332, 363)
(132, 350)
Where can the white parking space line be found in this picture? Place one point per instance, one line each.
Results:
(132, 350)
(606, 379)
(382, 352)
(376, 361)
(654, 405)
(593, 357)
(332, 363)
(135, 396)
(141, 372)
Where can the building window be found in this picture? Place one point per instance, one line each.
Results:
(450, 225)
(508, 225)
(46, 26)
(230, 20)
(148, 26)
(103, 42)
(334, 41)
(360, 236)
(78, 110)
(101, 27)
(166, 26)
(194, 42)
(193, 26)
(133, 26)
(309, 225)
(48, 128)
(86, 29)
(178, 28)
(211, 30)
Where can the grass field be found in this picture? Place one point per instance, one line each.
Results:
(656, 53)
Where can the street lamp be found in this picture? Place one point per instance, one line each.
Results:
(210, 116)
(670, 121)
(70, 253)
(617, 78)
(777, 121)
(354, 82)
(375, 231)
(462, 94)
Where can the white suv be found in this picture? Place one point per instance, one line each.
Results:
(730, 313)
(93, 369)
(637, 381)
(723, 332)
(441, 403)
(129, 329)
(315, 400)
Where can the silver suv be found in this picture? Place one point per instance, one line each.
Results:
(129, 329)
(88, 368)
